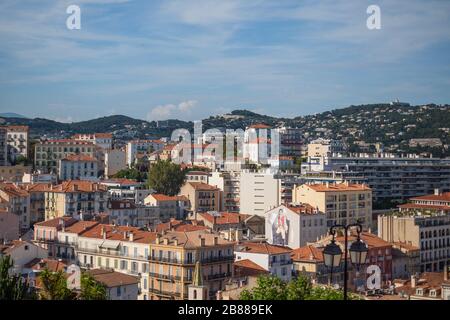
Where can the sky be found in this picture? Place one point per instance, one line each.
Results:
(160, 59)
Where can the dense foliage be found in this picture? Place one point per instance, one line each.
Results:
(166, 177)
(12, 286)
(91, 289)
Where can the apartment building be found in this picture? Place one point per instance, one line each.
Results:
(275, 259)
(428, 204)
(115, 160)
(78, 167)
(37, 199)
(142, 146)
(17, 142)
(119, 286)
(291, 141)
(202, 197)
(169, 206)
(9, 226)
(323, 147)
(3, 146)
(229, 183)
(391, 177)
(120, 248)
(17, 201)
(259, 192)
(103, 140)
(174, 255)
(343, 203)
(197, 176)
(75, 197)
(126, 189)
(14, 173)
(49, 152)
(430, 233)
(295, 226)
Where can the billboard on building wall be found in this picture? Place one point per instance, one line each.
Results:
(280, 227)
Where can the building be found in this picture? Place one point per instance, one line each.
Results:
(174, 255)
(391, 177)
(259, 192)
(308, 261)
(17, 201)
(197, 176)
(120, 248)
(103, 140)
(322, 147)
(169, 206)
(37, 199)
(9, 226)
(75, 197)
(275, 259)
(119, 286)
(295, 226)
(142, 146)
(229, 183)
(14, 173)
(428, 204)
(3, 147)
(291, 141)
(343, 203)
(49, 152)
(430, 233)
(21, 253)
(17, 142)
(425, 286)
(115, 160)
(78, 167)
(202, 197)
(126, 189)
(405, 260)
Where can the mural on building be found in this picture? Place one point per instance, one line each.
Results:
(280, 228)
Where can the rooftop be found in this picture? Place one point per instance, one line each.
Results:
(112, 279)
(338, 187)
(262, 248)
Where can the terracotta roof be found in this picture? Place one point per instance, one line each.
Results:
(246, 267)
(180, 226)
(80, 185)
(80, 226)
(13, 190)
(117, 233)
(336, 187)
(56, 222)
(111, 278)
(163, 197)
(304, 209)
(445, 196)
(103, 135)
(427, 280)
(370, 239)
(404, 245)
(259, 126)
(50, 264)
(67, 141)
(262, 248)
(308, 253)
(224, 218)
(193, 239)
(36, 187)
(202, 186)
(17, 128)
(79, 157)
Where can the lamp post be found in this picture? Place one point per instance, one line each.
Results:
(332, 253)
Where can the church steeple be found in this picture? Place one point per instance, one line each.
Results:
(198, 277)
(197, 290)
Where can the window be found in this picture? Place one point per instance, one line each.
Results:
(119, 291)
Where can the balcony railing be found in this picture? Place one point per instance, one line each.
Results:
(219, 276)
(165, 293)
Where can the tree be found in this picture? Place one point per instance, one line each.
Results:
(267, 288)
(12, 287)
(54, 286)
(131, 173)
(299, 288)
(166, 177)
(91, 289)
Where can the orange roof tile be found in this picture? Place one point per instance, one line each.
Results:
(117, 233)
(246, 267)
(263, 248)
(308, 253)
(339, 187)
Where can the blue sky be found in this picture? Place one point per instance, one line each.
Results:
(191, 59)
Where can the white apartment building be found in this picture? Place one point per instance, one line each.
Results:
(275, 259)
(17, 142)
(16, 200)
(142, 146)
(229, 183)
(343, 203)
(294, 226)
(49, 152)
(259, 192)
(78, 167)
(103, 140)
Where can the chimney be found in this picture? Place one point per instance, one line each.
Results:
(124, 235)
(158, 238)
(327, 184)
(175, 242)
(437, 192)
(75, 187)
(413, 281)
(166, 241)
(214, 220)
(102, 232)
(131, 237)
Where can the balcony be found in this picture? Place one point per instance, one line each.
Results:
(217, 259)
(168, 277)
(164, 293)
(171, 260)
(219, 276)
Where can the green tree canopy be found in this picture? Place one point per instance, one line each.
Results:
(91, 289)
(12, 287)
(54, 286)
(131, 173)
(166, 177)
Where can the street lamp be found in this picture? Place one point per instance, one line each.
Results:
(332, 253)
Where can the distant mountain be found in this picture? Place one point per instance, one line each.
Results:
(11, 115)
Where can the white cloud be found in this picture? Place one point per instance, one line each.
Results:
(164, 112)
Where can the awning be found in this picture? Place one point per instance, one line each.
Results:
(109, 245)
